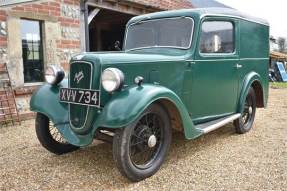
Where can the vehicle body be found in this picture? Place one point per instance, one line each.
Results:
(212, 71)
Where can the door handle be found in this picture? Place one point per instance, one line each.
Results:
(238, 66)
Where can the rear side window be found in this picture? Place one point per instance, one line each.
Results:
(217, 37)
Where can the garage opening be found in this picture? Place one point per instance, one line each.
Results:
(106, 29)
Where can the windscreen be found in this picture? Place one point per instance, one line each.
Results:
(169, 32)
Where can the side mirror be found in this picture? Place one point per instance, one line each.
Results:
(117, 45)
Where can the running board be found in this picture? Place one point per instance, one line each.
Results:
(212, 125)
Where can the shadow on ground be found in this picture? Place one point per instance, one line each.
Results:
(95, 163)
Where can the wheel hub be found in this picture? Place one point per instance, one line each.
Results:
(151, 141)
(250, 110)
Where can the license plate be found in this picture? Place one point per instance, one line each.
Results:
(80, 96)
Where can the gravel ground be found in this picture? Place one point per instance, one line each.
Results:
(221, 160)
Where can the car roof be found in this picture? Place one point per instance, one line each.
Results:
(200, 12)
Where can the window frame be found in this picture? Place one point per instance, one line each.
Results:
(156, 19)
(42, 48)
(233, 22)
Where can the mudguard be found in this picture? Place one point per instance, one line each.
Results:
(126, 106)
(46, 101)
(249, 79)
(123, 108)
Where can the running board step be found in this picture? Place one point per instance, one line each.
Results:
(212, 125)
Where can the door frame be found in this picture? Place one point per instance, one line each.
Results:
(217, 57)
(119, 6)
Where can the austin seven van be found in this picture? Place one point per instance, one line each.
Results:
(191, 70)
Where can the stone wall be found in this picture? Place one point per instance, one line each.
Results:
(165, 4)
(61, 27)
(3, 36)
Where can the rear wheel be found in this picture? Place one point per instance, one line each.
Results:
(245, 122)
(49, 136)
(140, 148)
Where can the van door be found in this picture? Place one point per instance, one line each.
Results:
(215, 71)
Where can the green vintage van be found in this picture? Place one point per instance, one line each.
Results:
(189, 70)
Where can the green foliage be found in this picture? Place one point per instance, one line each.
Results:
(278, 85)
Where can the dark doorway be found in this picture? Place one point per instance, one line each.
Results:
(106, 28)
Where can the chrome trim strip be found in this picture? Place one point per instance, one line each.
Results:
(217, 60)
(100, 85)
(254, 58)
(144, 61)
(221, 123)
(231, 59)
(151, 20)
(96, 106)
(206, 55)
(88, 110)
(147, 47)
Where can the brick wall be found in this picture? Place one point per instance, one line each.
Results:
(166, 4)
(3, 36)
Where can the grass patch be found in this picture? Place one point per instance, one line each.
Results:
(278, 85)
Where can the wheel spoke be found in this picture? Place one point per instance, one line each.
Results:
(56, 135)
(155, 127)
(134, 144)
(138, 137)
(142, 152)
(146, 119)
(247, 112)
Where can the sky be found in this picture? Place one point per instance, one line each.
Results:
(274, 11)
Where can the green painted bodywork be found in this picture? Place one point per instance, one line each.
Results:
(202, 87)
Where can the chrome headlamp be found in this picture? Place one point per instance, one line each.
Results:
(112, 79)
(54, 74)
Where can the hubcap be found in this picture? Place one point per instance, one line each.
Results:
(152, 141)
(250, 110)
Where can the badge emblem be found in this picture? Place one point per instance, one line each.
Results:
(79, 57)
(78, 77)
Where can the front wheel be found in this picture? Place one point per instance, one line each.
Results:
(50, 138)
(245, 122)
(140, 148)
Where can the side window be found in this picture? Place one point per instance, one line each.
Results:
(217, 37)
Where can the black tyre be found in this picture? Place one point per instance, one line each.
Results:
(50, 138)
(245, 122)
(140, 148)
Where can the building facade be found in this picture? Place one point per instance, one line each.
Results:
(37, 33)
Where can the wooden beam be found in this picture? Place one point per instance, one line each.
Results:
(93, 14)
(128, 7)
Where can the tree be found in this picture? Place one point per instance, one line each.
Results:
(282, 44)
